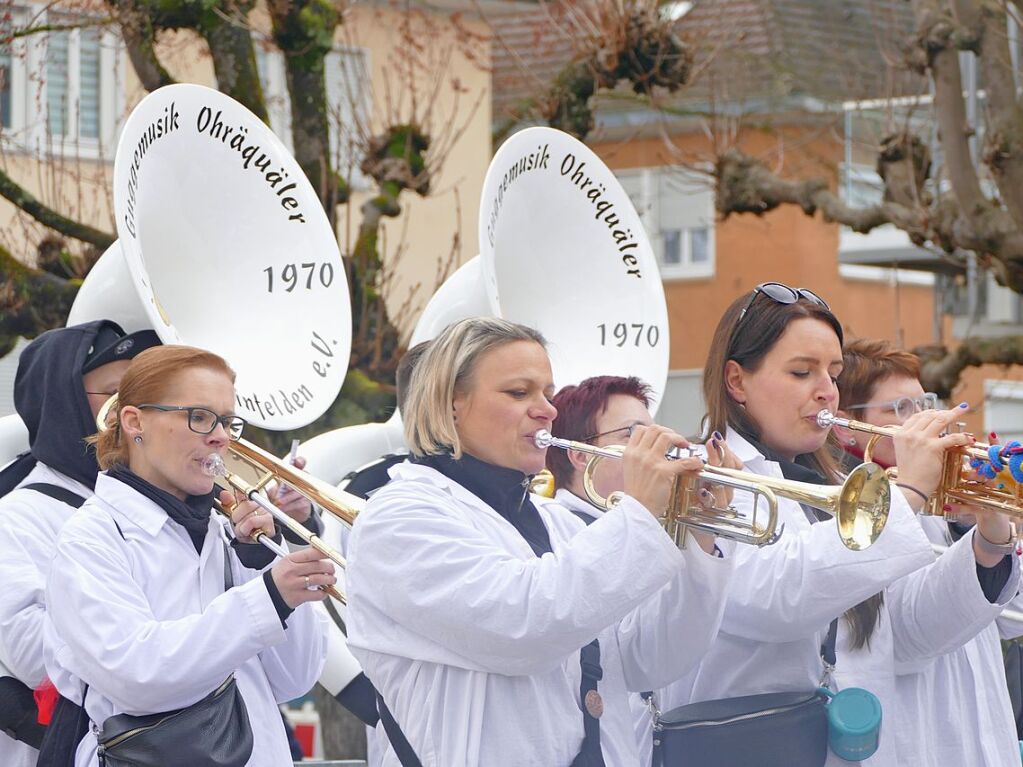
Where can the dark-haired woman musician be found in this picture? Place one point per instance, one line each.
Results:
(776, 355)
(475, 613)
(144, 615)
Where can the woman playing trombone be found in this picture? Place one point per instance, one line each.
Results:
(149, 612)
(776, 355)
(475, 613)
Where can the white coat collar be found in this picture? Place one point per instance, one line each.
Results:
(128, 503)
(573, 502)
(417, 472)
(742, 447)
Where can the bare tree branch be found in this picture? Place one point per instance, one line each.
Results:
(234, 57)
(139, 38)
(27, 202)
(940, 369)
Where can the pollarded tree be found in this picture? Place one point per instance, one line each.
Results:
(732, 63)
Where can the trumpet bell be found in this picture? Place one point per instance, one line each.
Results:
(863, 505)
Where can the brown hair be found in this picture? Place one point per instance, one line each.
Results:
(147, 379)
(747, 340)
(866, 363)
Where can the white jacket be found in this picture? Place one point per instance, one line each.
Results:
(954, 708)
(147, 623)
(474, 641)
(784, 597)
(29, 524)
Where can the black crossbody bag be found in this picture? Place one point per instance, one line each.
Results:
(779, 729)
(214, 732)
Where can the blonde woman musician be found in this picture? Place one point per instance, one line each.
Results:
(144, 613)
(954, 707)
(475, 613)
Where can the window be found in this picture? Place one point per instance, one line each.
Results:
(677, 210)
(345, 74)
(73, 84)
(61, 92)
(5, 72)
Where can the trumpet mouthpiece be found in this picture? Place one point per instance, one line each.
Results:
(213, 465)
(542, 438)
(825, 418)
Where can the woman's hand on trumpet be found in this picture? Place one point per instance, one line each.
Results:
(920, 447)
(650, 476)
(299, 575)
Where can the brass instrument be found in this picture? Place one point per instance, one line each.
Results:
(860, 506)
(955, 485)
(342, 505)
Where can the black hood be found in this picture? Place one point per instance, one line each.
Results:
(50, 398)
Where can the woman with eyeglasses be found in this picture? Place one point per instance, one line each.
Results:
(954, 707)
(149, 609)
(775, 359)
(499, 632)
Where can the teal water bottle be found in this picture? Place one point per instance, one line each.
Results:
(854, 722)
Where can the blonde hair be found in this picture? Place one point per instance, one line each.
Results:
(150, 375)
(446, 368)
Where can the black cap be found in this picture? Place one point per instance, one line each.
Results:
(110, 346)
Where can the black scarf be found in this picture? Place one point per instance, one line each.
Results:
(193, 513)
(506, 491)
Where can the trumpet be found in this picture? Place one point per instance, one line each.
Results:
(860, 505)
(339, 503)
(955, 485)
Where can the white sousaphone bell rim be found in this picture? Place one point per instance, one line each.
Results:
(329, 311)
(536, 190)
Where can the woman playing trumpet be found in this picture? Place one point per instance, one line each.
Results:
(775, 358)
(954, 707)
(475, 613)
(148, 610)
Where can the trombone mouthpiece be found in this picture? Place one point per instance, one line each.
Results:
(213, 465)
(825, 418)
(542, 439)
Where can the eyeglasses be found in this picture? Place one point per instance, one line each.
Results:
(903, 407)
(203, 421)
(626, 429)
(780, 294)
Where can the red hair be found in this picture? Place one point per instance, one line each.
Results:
(578, 407)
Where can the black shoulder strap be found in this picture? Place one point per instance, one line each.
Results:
(58, 493)
(402, 748)
(586, 518)
(590, 753)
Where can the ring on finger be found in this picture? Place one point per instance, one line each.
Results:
(306, 580)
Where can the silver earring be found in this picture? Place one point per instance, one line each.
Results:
(138, 439)
(851, 441)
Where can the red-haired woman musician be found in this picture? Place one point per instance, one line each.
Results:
(149, 612)
(954, 707)
(469, 605)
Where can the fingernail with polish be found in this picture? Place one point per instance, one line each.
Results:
(964, 404)
(717, 435)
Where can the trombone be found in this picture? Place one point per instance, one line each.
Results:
(344, 506)
(860, 506)
(955, 486)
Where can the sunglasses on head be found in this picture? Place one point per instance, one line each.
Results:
(780, 294)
